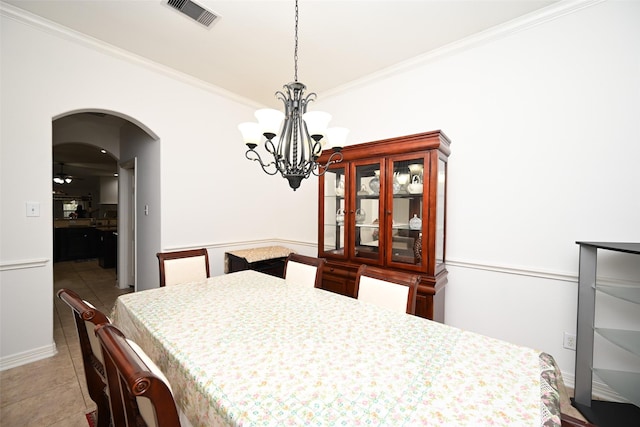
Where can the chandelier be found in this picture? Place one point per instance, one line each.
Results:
(61, 177)
(301, 134)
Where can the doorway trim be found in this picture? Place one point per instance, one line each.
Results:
(127, 230)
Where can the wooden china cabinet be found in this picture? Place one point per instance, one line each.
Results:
(385, 205)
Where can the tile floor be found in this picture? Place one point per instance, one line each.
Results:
(53, 392)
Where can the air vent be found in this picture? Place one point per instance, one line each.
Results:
(194, 11)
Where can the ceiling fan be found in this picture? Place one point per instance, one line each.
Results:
(61, 177)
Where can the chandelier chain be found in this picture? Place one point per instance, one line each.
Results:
(295, 53)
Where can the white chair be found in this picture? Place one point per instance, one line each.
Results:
(304, 270)
(139, 390)
(183, 266)
(394, 290)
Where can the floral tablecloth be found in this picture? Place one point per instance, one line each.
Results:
(247, 349)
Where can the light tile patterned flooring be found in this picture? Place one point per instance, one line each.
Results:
(53, 392)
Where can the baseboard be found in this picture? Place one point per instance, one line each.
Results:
(19, 359)
(599, 390)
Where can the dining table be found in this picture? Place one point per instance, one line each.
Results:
(250, 349)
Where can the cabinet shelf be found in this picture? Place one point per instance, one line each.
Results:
(628, 340)
(406, 195)
(364, 225)
(623, 382)
(627, 293)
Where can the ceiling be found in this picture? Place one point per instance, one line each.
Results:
(249, 50)
(80, 160)
(77, 152)
(84, 163)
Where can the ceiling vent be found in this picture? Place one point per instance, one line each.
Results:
(194, 11)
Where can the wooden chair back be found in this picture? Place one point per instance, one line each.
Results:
(87, 318)
(395, 290)
(140, 394)
(304, 270)
(183, 266)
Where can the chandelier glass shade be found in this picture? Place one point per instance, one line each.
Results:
(300, 134)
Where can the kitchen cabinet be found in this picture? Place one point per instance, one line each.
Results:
(73, 243)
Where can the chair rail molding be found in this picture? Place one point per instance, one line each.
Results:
(21, 264)
(541, 274)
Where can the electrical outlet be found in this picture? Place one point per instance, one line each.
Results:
(569, 341)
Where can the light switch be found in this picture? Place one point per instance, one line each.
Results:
(33, 209)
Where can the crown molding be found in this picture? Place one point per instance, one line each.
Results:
(66, 33)
(533, 19)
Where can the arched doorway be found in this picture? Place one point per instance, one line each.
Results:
(96, 149)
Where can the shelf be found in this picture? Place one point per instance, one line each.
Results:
(627, 293)
(406, 195)
(363, 225)
(395, 226)
(628, 340)
(625, 383)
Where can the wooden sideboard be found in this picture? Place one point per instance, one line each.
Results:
(269, 260)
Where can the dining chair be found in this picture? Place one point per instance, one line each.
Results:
(87, 319)
(183, 266)
(395, 290)
(304, 270)
(141, 394)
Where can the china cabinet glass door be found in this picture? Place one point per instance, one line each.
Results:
(406, 176)
(334, 211)
(366, 212)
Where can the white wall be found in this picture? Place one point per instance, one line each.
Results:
(544, 129)
(208, 193)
